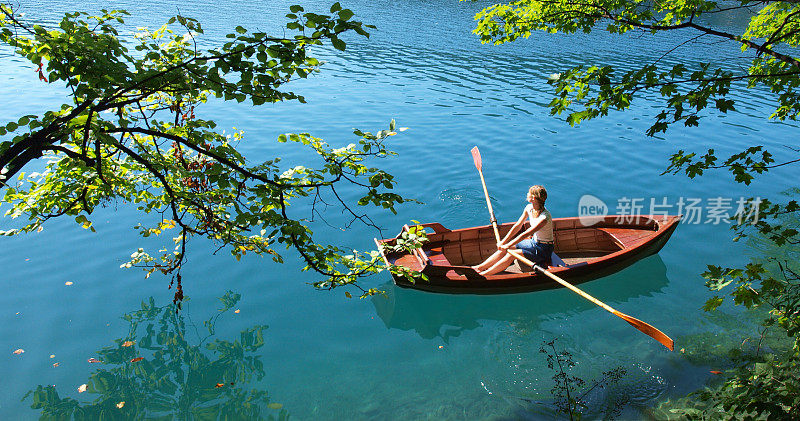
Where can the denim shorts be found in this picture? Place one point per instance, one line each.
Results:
(538, 253)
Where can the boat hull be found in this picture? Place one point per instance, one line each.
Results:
(612, 243)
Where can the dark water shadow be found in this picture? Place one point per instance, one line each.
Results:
(167, 367)
(442, 315)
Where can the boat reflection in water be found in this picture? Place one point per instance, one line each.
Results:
(168, 368)
(443, 315)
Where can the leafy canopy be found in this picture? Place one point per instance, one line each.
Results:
(764, 386)
(588, 91)
(132, 131)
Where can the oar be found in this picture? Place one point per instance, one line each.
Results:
(638, 324)
(476, 156)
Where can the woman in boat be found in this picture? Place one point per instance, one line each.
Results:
(537, 249)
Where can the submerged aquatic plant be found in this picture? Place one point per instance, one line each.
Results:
(570, 392)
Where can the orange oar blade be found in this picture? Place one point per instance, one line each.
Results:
(476, 156)
(648, 330)
(638, 324)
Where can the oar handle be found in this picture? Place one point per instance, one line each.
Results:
(476, 157)
(489, 204)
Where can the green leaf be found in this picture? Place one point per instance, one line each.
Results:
(338, 44)
(712, 303)
(346, 14)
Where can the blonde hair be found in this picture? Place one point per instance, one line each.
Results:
(539, 193)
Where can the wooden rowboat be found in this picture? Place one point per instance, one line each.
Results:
(582, 253)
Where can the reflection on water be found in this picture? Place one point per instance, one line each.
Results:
(159, 370)
(518, 375)
(446, 316)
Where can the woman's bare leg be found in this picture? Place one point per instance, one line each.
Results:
(490, 261)
(500, 266)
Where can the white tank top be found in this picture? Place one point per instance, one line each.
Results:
(545, 233)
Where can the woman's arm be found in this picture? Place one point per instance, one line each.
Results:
(538, 223)
(504, 243)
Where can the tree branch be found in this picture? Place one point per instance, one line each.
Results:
(713, 79)
(150, 168)
(70, 153)
(608, 14)
(757, 166)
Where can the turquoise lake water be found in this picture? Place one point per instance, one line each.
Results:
(410, 355)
